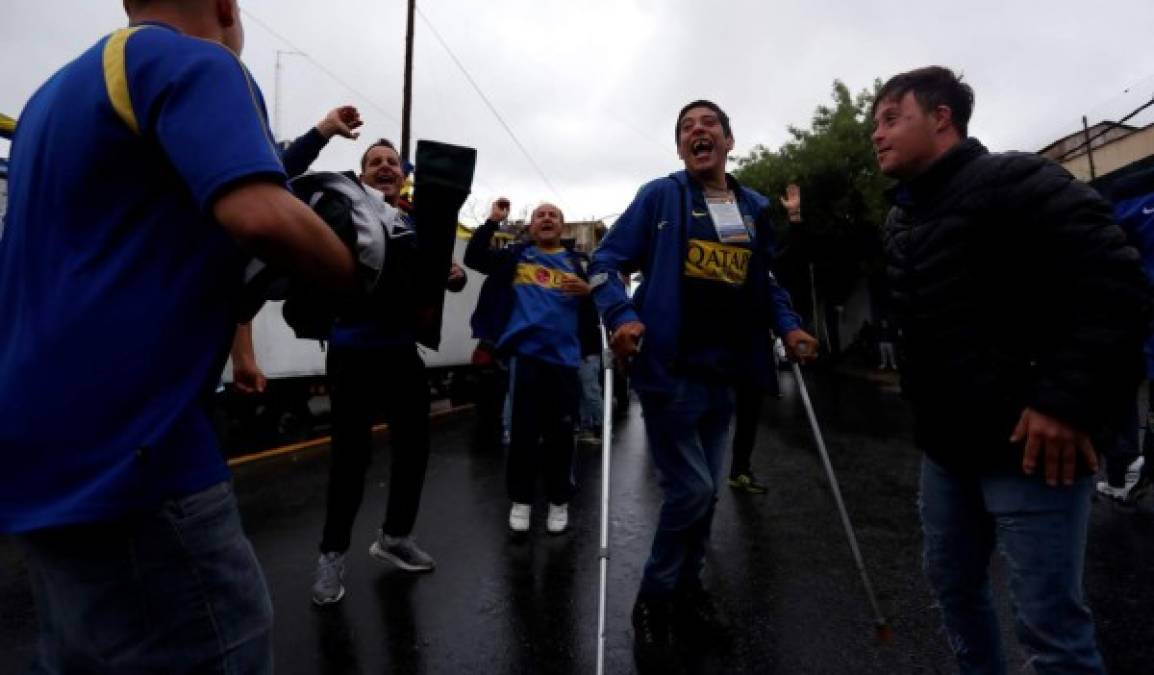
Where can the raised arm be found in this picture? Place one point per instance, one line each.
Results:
(479, 254)
(302, 152)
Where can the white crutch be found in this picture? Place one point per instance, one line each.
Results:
(606, 442)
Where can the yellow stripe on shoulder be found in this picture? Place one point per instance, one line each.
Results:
(116, 77)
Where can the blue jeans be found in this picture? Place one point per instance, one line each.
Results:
(1041, 533)
(591, 405)
(176, 590)
(688, 431)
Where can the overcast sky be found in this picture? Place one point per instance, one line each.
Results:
(591, 87)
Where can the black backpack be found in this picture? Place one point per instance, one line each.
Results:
(372, 230)
(309, 310)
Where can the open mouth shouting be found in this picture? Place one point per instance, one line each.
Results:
(546, 224)
(387, 181)
(547, 229)
(701, 148)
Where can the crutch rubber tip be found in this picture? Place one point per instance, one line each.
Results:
(884, 633)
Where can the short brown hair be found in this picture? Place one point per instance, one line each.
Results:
(702, 103)
(932, 86)
(381, 143)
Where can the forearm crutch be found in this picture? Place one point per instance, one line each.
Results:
(883, 632)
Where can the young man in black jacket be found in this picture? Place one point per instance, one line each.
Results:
(1022, 311)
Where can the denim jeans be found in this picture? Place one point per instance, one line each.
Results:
(1041, 533)
(688, 431)
(591, 404)
(178, 590)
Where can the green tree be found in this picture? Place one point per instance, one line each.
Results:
(843, 200)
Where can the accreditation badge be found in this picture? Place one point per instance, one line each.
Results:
(727, 220)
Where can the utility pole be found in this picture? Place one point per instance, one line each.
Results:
(407, 104)
(1089, 149)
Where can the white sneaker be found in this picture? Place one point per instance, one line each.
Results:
(402, 552)
(1134, 471)
(1122, 494)
(519, 517)
(558, 520)
(327, 588)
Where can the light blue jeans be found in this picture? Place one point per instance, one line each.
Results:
(688, 432)
(177, 590)
(591, 408)
(1041, 533)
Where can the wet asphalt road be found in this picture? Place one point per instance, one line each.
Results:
(779, 563)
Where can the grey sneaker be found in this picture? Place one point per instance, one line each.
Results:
(328, 588)
(402, 552)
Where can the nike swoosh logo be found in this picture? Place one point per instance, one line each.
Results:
(1148, 211)
(699, 214)
(661, 224)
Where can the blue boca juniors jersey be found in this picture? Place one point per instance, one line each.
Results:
(543, 323)
(715, 302)
(117, 286)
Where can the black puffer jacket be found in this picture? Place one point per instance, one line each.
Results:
(1013, 288)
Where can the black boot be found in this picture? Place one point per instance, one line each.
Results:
(697, 618)
(653, 645)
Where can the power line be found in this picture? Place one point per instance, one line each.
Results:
(1109, 127)
(1097, 111)
(321, 66)
(611, 112)
(489, 104)
(297, 50)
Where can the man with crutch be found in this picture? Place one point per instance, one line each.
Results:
(705, 307)
(1022, 310)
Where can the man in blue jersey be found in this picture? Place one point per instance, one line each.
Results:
(706, 305)
(536, 302)
(1129, 466)
(143, 177)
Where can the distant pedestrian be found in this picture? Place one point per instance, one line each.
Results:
(1130, 465)
(886, 339)
(748, 395)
